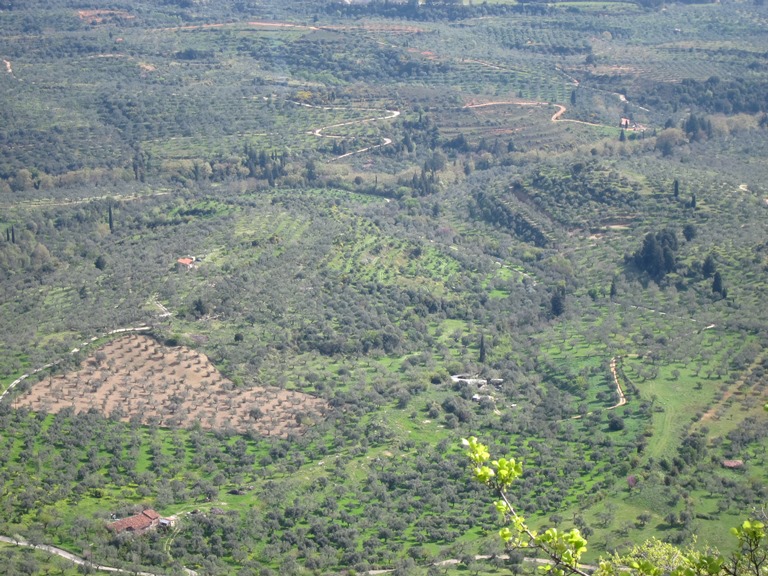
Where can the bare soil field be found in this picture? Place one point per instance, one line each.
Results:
(136, 377)
(102, 16)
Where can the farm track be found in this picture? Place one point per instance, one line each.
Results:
(556, 117)
(622, 397)
(74, 558)
(164, 312)
(319, 131)
(82, 562)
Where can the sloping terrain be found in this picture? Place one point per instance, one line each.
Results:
(135, 377)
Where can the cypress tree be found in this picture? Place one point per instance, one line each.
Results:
(717, 284)
(111, 223)
(557, 303)
(709, 267)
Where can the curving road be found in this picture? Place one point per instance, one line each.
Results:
(319, 131)
(71, 557)
(556, 117)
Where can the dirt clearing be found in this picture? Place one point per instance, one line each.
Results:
(135, 376)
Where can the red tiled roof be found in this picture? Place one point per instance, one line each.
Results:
(135, 523)
(185, 261)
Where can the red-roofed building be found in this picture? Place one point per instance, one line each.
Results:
(136, 524)
(186, 262)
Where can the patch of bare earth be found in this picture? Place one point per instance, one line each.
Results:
(102, 16)
(135, 376)
(99, 16)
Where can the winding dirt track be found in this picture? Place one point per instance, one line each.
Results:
(619, 391)
(82, 562)
(319, 131)
(622, 398)
(71, 557)
(556, 117)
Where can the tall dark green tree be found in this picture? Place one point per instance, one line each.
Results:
(481, 359)
(717, 284)
(557, 302)
(111, 221)
(310, 171)
(677, 187)
(709, 267)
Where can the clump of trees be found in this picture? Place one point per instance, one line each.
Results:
(714, 95)
(656, 257)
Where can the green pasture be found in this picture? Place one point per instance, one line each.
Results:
(676, 398)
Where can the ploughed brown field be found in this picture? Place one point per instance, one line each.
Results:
(136, 377)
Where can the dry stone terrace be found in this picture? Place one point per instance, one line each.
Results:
(135, 376)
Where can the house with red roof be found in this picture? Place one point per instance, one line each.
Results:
(136, 524)
(187, 263)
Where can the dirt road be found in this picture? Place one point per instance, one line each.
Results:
(71, 557)
(556, 117)
(319, 131)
